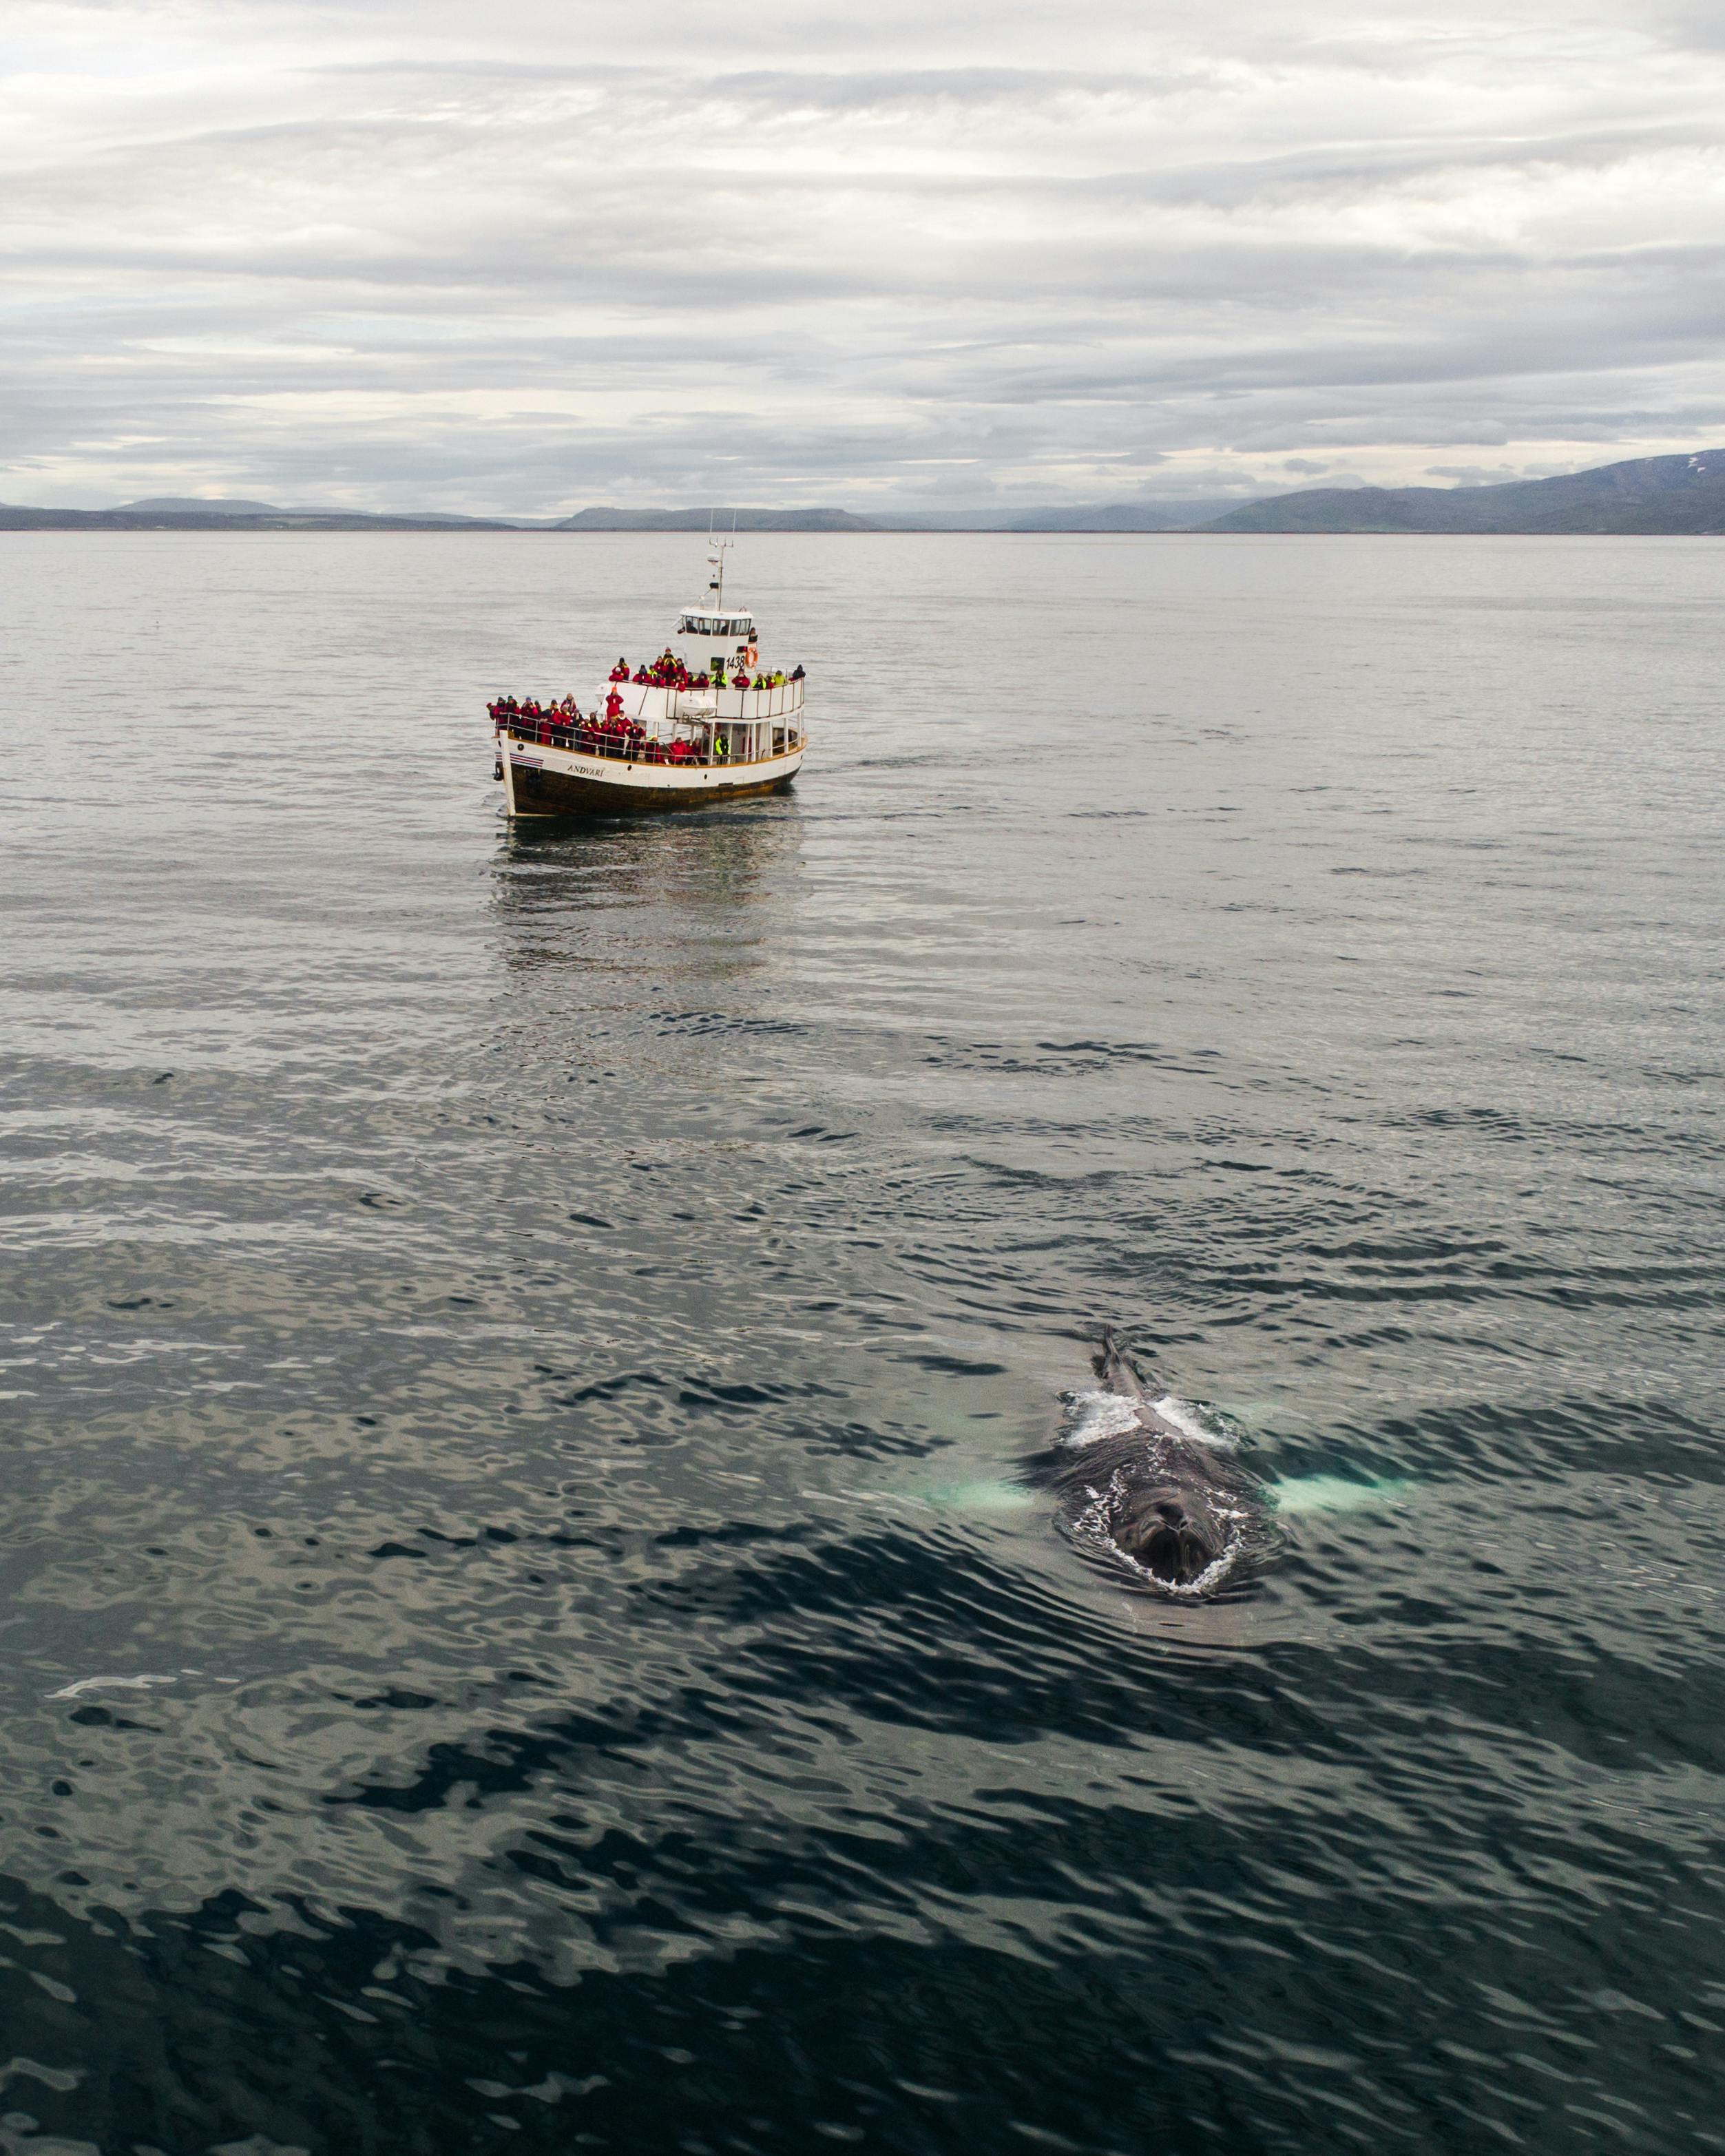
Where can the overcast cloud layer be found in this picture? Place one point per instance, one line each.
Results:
(525, 256)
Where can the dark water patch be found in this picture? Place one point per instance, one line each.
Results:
(1504, 1439)
(524, 1626)
(723, 1022)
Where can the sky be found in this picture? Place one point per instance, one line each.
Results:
(524, 256)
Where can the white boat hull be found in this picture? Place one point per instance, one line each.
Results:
(542, 781)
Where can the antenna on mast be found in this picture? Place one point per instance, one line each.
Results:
(716, 551)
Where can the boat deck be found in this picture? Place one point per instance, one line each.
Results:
(585, 740)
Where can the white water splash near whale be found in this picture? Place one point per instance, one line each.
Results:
(1202, 1425)
(1090, 1416)
(1097, 1413)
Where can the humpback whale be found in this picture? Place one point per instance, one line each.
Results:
(1141, 1493)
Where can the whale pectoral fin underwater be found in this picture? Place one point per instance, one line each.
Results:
(980, 1495)
(1151, 1489)
(1301, 1494)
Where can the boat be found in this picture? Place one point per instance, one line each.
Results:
(664, 736)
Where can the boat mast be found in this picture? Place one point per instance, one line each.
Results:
(715, 560)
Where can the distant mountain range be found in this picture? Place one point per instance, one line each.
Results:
(697, 520)
(1646, 495)
(189, 513)
(1649, 495)
(1108, 517)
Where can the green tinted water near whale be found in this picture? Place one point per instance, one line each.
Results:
(1300, 1494)
(1336, 1493)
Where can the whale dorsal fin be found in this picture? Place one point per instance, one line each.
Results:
(1114, 1368)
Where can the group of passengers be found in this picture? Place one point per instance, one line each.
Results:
(530, 707)
(668, 671)
(565, 725)
(568, 726)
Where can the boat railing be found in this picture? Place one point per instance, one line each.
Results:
(664, 700)
(584, 741)
(780, 701)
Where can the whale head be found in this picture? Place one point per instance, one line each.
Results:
(1170, 1532)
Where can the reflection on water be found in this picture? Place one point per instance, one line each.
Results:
(730, 874)
(521, 1338)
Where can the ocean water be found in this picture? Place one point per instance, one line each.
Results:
(524, 1626)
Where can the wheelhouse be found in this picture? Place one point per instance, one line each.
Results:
(711, 642)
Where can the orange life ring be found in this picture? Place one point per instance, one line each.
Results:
(752, 652)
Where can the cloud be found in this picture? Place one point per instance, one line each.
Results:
(1474, 474)
(397, 255)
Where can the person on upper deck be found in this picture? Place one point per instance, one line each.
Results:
(797, 674)
(619, 672)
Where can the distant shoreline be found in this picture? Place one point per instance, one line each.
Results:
(1666, 497)
(401, 528)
